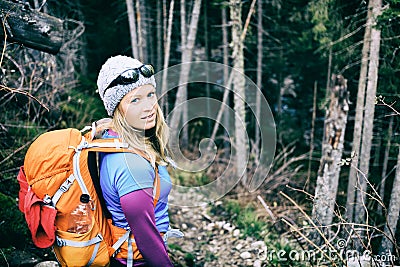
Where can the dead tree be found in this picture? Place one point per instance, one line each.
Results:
(332, 147)
(31, 28)
(392, 215)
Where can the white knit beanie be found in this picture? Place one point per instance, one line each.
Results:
(111, 69)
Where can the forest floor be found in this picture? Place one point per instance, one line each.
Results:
(211, 240)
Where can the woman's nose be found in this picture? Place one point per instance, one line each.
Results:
(149, 104)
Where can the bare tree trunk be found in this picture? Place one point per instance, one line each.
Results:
(159, 36)
(181, 95)
(238, 83)
(385, 163)
(132, 28)
(259, 71)
(358, 121)
(328, 76)
(332, 148)
(230, 78)
(183, 26)
(185, 133)
(393, 212)
(140, 32)
(167, 48)
(225, 52)
(165, 19)
(207, 57)
(360, 207)
(148, 29)
(314, 115)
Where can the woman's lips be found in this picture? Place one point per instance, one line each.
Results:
(149, 117)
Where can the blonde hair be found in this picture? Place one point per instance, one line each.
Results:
(136, 138)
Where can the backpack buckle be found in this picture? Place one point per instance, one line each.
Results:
(60, 242)
(64, 188)
(100, 237)
(47, 200)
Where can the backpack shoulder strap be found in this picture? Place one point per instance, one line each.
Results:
(113, 146)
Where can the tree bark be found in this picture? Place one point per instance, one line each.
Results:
(385, 163)
(181, 95)
(393, 212)
(358, 122)
(160, 28)
(314, 115)
(30, 28)
(228, 82)
(184, 48)
(259, 72)
(140, 31)
(238, 84)
(360, 207)
(225, 56)
(167, 48)
(132, 28)
(332, 148)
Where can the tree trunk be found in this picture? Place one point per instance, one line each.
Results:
(332, 148)
(140, 31)
(238, 83)
(31, 28)
(132, 28)
(358, 122)
(185, 133)
(225, 56)
(181, 95)
(393, 212)
(360, 207)
(385, 163)
(149, 36)
(183, 26)
(207, 57)
(259, 72)
(314, 115)
(167, 48)
(228, 82)
(160, 28)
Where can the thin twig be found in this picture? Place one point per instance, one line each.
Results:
(267, 208)
(309, 241)
(311, 221)
(246, 25)
(382, 100)
(4, 256)
(17, 91)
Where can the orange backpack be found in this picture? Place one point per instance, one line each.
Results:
(59, 167)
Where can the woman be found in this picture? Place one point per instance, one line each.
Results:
(127, 88)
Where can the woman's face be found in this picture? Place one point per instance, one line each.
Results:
(139, 107)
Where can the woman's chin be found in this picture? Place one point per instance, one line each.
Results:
(148, 126)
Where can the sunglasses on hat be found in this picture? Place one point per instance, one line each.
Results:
(132, 75)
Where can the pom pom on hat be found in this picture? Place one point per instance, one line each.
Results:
(111, 69)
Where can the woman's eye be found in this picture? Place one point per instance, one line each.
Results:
(151, 94)
(135, 100)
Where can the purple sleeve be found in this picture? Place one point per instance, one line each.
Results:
(139, 212)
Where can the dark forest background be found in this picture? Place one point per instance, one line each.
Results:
(303, 43)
